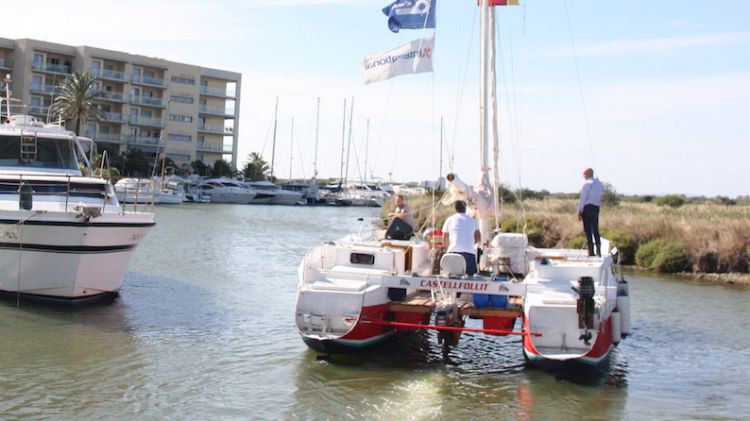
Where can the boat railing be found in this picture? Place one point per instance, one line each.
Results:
(28, 189)
(138, 194)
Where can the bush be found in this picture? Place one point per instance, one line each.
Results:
(610, 196)
(578, 243)
(672, 258)
(647, 252)
(625, 243)
(671, 200)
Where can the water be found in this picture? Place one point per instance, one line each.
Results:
(204, 329)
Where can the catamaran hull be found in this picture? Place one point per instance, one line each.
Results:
(366, 333)
(596, 357)
(61, 259)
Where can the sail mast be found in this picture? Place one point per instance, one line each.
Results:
(291, 152)
(343, 139)
(315, 157)
(495, 134)
(349, 144)
(273, 147)
(483, 99)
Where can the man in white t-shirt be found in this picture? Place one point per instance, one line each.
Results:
(463, 234)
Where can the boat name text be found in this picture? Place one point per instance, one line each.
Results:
(471, 286)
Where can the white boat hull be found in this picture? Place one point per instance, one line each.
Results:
(57, 255)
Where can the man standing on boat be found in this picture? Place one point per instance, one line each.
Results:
(588, 210)
(462, 234)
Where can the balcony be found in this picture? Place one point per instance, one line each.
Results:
(147, 80)
(51, 68)
(217, 92)
(114, 118)
(6, 64)
(208, 147)
(213, 110)
(206, 128)
(43, 89)
(113, 96)
(38, 111)
(147, 101)
(109, 138)
(146, 121)
(109, 74)
(143, 140)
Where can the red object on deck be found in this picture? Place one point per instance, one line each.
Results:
(500, 2)
(498, 324)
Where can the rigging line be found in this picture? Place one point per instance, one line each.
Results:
(460, 91)
(580, 84)
(268, 133)
(514, 135)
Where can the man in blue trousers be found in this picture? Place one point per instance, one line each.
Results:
(588, 210)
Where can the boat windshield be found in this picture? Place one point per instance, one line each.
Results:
(38, 153)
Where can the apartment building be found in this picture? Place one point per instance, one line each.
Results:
(161, 107)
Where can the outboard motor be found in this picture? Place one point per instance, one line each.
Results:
(446, 314)
(585, 306)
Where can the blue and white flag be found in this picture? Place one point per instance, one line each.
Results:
(410, 14)
(414, 57)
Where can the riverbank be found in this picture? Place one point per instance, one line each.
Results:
(710, 240)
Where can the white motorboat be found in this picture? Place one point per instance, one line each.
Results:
(63, 235)
(277, 196)
(227, 190)
(170, 190)
(142, 191)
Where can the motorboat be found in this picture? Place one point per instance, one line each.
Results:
(142, 191)
(277, 195)
(227, 190)
(64, 235)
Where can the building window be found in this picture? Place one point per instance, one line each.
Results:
(181, 118)
(179, 157)
(182, 99)
(180, 137)
(183, 80)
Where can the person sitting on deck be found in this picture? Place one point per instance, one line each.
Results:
(462, 234)
(402, 225)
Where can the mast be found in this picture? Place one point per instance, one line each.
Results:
(349, 143)
(273, 147)
(343, 139)
(495, 134)
(291, 152)
(315, 156)
(367, 140)
(440, 172)
(483, 100)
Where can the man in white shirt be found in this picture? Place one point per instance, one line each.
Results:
(588, 210)
(463, 234)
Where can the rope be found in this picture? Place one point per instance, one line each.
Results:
(580, 85)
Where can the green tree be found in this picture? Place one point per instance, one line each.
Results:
(170, 167)
(222, 168)
(78, 100)
(135, 163)
(610, 196)
(200, 168)
(256, 168)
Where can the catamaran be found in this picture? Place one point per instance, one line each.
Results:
(358, 291)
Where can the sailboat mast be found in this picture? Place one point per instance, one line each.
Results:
(349, 143)
(367, 141)
(315, 156)
(291, 152)
(483, 98)
(343, 139)
(273, 147)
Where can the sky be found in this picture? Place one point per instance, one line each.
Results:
(654, 95)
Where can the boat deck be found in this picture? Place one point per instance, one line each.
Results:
(422, 302)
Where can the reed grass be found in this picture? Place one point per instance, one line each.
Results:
(716, 237)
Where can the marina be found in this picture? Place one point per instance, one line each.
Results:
(199, 326)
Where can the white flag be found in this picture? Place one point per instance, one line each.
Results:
(414, 57)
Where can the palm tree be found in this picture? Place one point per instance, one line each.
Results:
(78, 100)
(256, 168)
